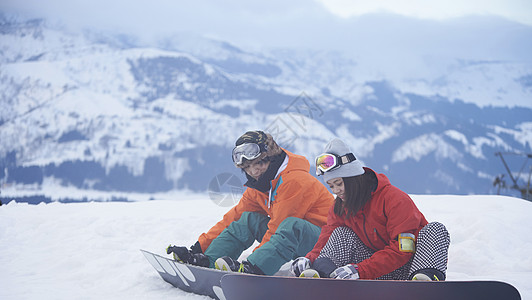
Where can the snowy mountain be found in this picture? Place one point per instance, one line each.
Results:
(108, 113)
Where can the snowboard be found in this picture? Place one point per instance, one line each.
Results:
(239, 287)
(189, 278)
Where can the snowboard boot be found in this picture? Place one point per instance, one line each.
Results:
(247, 267)
(226, 263)
(200, 260)
(429, 275)
(310, 273)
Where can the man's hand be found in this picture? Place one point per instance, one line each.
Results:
(181, 254)
(194, 256)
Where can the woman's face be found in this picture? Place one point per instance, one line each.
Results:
(255, 169)
(337, 187)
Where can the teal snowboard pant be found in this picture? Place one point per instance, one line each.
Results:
(294, 238)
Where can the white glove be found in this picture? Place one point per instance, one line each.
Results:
(349, 271)
(299, 265)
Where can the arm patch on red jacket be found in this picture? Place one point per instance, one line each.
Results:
(407, 242)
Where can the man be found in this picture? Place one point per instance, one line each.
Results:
(283, 208)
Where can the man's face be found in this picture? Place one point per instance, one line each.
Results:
(256, 168)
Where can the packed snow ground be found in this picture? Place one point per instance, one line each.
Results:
(91, 250)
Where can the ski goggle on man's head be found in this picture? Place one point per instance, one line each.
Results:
(249, 151)
(327, 161)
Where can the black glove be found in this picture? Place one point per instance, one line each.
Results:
(181, 254)
(184, 255)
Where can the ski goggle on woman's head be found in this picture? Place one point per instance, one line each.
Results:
(249, 151)
(327, 161)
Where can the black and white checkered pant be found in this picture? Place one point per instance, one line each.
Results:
(345, 247)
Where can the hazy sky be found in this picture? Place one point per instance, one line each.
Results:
(517, 10)
(228, 13)
(279, 23)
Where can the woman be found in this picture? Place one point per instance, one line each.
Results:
(283, 208)
(374, 230)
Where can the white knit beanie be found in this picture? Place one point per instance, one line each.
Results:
(354, 168)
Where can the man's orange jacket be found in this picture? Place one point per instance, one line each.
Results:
(294, 193)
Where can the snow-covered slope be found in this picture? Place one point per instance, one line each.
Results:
(91, 250)
(103, 113)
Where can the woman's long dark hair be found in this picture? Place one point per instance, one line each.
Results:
(358, 191)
